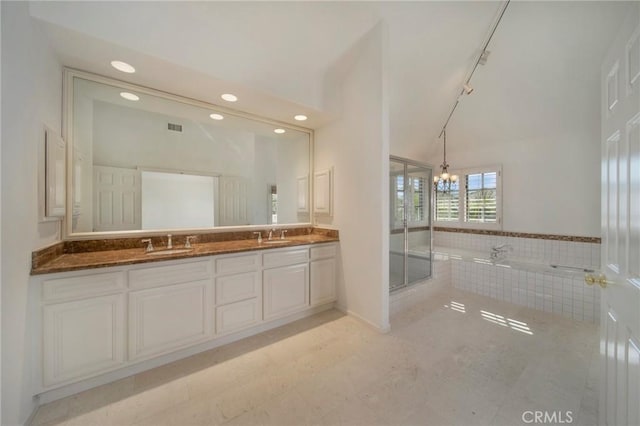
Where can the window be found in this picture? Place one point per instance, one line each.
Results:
(474, 201)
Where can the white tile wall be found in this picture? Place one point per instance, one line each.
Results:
(556, 292)
(532, 250)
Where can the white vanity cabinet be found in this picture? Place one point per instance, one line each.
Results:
(172, 310)
(83, 326)
(323, 274)
(98, 322)
(285, 282)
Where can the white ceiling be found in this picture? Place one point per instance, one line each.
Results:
(274, 55)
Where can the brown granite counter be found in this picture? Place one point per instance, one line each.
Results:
(65, 256)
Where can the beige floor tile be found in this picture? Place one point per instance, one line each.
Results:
(483, 363)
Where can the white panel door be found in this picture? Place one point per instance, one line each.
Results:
(116, 202)
(620, 302)
(233, 201)
(323, 281)
(167, 318)
(285, 290)
(83, 338)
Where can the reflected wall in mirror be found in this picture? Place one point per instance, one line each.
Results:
(161, 162)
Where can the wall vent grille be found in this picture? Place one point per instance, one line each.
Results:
(175, 127)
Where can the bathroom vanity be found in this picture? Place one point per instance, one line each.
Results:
(105, 322)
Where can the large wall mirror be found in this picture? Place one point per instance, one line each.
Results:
(142, 160)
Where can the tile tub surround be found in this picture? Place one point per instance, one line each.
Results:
(88, 254)
(580, 252)
(438, 365)
(535, 285)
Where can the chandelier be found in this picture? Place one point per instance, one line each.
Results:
(442, 183)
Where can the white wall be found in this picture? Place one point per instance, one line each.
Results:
(535, 110)
(1, 191)
(31, 98)
(357, 146)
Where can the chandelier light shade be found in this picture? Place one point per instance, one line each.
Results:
(442, 183)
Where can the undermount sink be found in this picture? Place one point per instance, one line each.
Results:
(173, 251)
(275, 242)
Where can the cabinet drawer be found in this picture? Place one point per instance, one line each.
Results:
(84, 286)
(323, 251)
(237, 315)
(173, 274)
(285, 257)
(233, 264)
(237, 287)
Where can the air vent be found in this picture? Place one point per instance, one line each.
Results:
(175, 127)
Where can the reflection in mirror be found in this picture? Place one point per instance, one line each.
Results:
(158, 163)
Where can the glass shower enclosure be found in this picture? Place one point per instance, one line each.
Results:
(410, 216)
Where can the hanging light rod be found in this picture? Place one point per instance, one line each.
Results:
(482, 59)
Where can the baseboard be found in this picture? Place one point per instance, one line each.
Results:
(365, 321)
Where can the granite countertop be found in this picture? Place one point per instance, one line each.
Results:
(64, 262)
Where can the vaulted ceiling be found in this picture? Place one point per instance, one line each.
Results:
(274, 55)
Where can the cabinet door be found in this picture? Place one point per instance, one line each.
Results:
(56, 153)
(323, 281)
(236, 316)
(83, 338)
(323, 191)
(286, 290)
(166, 318)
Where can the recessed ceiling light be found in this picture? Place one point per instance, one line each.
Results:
(300, 117)
(279, 131)
(129, 96)
(216, 116)
(229, 97)
(123, 66)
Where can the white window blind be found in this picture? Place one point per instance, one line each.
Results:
(473, 201)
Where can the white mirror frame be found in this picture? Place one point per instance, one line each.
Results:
(67, 124)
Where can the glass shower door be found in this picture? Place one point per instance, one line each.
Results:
(410, 239)
(418, 221)
(397, 237)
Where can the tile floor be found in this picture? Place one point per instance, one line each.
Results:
(457, 359)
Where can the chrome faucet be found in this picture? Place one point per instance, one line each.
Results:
(149, 247)
(187, 243)
(259, 237)
(271, 231)
(169, 242)
(502, 249)
(282, 232)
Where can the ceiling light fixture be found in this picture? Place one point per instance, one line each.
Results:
(300, 117)
(129, 96)
(216, 116)
(279, 131)
(443, 182)
(123, 66)
(229, 97)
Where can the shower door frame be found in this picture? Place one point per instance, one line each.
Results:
(429, 211)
